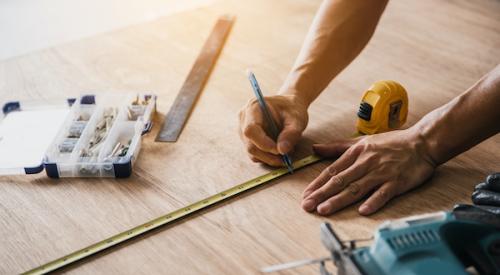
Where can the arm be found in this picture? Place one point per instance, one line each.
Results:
(340, 30)
(465, 121)
(392, 163)
(337, 35)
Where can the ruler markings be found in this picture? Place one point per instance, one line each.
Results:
(168, 218)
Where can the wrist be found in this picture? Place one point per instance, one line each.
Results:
(423, 145)
(437, 130)
(298, 97)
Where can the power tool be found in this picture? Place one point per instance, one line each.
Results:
(463, 241)
(383, 107)
(438, 243)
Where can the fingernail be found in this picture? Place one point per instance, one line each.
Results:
(316, 147)
(364, 209)
(284, 147)
(323, 208)
(309, 205)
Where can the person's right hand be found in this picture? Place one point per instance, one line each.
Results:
(290, 114)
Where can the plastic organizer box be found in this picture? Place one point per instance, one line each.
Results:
(92, 136)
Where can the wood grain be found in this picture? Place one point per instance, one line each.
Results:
(436, 49)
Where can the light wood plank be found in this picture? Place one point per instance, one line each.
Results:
(436, 49)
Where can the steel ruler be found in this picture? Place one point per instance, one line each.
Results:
(168, 218)
(186, 98)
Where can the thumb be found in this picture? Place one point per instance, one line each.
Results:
(335, 148)
(288, 137)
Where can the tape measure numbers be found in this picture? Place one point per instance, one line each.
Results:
(168, 218)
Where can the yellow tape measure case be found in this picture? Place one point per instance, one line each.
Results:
(90, 136)
(384, 107)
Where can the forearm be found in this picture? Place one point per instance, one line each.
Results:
(339, 32)
(463, 122)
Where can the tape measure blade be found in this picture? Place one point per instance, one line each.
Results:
(184, 102)
(168, 218)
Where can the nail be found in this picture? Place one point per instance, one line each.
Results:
(284, 147)
(309, 205)
(364, 209)
(115, 150)
(136, 100)
(324, 208)
(129, 113)
(316, 147)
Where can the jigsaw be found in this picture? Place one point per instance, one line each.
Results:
(463, 241)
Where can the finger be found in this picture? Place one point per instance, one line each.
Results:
(258, 155)
(335, 185)
(289, 136)
(255, 133)
(319, 181)
(378, 199)
(334, 149)
(242, 122)
(353, 193)
(336, 167)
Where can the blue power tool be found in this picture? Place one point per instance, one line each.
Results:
(459, 242)
(438, 243)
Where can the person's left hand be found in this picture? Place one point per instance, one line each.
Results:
(386, 164)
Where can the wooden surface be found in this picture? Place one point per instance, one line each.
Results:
(436, 49)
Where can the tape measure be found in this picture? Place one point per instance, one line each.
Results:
(168, 218)
(379, 97)
(384, 107)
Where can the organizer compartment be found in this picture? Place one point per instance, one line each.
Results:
(120, 145)
(139, 107)
(100, 139)
(92, 140)
(70, 133)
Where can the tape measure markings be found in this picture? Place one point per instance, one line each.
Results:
(168, 218)
(386, 89)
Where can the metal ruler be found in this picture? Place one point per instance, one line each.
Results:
(185, 100)
(168, 218)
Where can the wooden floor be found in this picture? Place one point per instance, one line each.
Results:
(436, 49)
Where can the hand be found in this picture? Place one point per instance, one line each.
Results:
(289, 112)
(386, 164)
